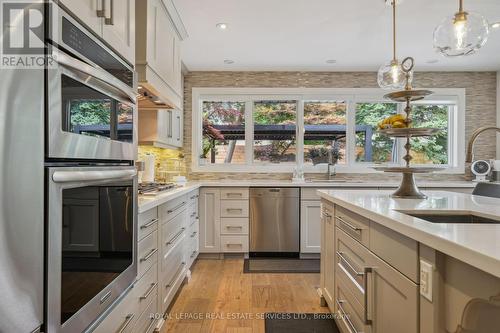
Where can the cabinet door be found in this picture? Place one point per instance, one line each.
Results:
(86, 11)
(177, 70)
(165, 126)
(328, 254)
(310, 227)
(209, 220)
(161, 40)
(119, 27)
(392, 299)
(177, 125)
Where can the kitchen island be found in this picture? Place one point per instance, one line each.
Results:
(406, 265)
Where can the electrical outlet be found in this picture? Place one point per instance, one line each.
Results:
(426, 270)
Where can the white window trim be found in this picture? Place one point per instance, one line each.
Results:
(350, 95)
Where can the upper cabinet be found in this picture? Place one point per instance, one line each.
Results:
(113, 20)
(158, 55)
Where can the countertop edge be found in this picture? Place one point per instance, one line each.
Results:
(468, 255)
(152, 202)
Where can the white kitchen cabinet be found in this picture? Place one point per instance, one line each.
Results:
(119, 29)
(310, 226)
(328, 254)
(209, 210)
(163, 128)
(112, 20)
(88, 12)
(158, 54)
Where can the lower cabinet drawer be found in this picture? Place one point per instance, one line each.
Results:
(148, 222)
(234, 208)
(349, 312)
(234, 226)
(146, 322)
(172, 232)
(147, 253)
(235, 244)
(122, 318)
(170, 287)
(173, 259)
(146, 289)
(356, 226)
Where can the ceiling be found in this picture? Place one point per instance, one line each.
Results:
(304, 34)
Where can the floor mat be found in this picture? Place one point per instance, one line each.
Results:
(279, 265)
(300, 323)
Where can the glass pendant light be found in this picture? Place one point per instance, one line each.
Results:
(462, 34)
(391, 75)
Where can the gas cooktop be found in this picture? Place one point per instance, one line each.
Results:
(155, 188)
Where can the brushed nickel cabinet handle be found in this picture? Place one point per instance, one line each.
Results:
(176, 207)
(149, 255)
(234, 227)
(149, 291)
(234, 210)
(327, 215)
(101, 12)
(147, 225)
(111, 19)
(234, 194)
(345, 316)
(105, 297)
(343, 258)
(173, 239)
(367, 270)
(234, 244)
(128, 320)
(350, 225)
(169, 285)
(150, 325)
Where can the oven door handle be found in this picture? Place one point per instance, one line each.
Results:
(87, 176)
(95, 72)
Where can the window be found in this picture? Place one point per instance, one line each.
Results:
(325, 128)
(223, 132)
(267, 129)
(274, 131)
(371, 146)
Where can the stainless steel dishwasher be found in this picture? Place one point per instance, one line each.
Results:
(274, 221)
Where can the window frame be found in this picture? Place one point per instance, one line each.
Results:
(455, 97)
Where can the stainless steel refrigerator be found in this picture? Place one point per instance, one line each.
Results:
(21, 200)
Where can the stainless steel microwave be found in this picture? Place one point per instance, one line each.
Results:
(91, 96)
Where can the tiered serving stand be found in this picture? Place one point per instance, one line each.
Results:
(408, 188)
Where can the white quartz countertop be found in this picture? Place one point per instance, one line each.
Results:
(148, 202)
(475, 244)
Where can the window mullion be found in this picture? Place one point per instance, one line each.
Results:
(249, 132)
(351, 132)
(300, 135)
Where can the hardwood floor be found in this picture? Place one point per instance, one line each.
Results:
(220, 298)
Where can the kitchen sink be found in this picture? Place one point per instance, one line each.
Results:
(447, 217)
(333, 181)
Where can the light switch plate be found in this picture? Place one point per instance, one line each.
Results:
(426, 270)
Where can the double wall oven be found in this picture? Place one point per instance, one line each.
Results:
(91, 182)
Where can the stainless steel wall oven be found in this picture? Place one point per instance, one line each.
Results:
(91, 96)
(91, 182)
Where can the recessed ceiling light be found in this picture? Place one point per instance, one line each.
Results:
(331, 61)
(228, 61)
(221, 26)
(432, 61)
(495, 25)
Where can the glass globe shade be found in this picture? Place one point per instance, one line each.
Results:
(391, 76)
(461, 34)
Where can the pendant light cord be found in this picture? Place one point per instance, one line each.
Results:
(394, 30)
(460, 6)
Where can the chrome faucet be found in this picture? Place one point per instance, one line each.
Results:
(330, 164)
(472, 140)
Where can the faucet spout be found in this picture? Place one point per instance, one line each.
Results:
(470, 147)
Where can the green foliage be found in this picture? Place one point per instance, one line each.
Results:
(90, 112)
(275, 113)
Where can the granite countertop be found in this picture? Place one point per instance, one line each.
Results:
(148, 202)
(475, 244)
